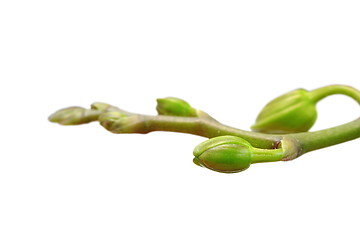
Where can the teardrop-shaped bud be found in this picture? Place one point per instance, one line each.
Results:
(290, 113)
(74, 116)
(175, 107)
(226, 154)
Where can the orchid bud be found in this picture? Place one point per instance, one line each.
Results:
(230, 154)
(175, 107)
(226, 154)
(74, 116)
(290, 113)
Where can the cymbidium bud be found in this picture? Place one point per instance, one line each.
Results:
(74, 116)
(226, 154)
(175, 107)
(292, 112)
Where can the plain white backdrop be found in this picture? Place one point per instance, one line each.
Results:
(228, 58)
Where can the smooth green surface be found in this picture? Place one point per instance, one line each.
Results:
(311, 141)
(320, 93)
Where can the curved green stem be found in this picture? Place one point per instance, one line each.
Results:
(320, 93)
(310, 141)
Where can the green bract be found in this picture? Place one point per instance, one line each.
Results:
(175, 107)
(290, 113)
(226, 154)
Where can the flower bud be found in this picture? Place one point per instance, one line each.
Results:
(174, 107)
(290, 113)
(74, 116)
(226, 154)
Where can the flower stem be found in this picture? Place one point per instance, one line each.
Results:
(207, 128)
(320, 93)
(310, 141)
(267, 155)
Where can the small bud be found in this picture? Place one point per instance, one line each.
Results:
(74, 116)
(226, 154)
(290, 113)
(175, 107)
(117, 122)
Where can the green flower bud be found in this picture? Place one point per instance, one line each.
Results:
(175, 107)
(226, 154)
(292, 112)
(74, 116)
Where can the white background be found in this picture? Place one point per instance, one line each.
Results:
(228, 58)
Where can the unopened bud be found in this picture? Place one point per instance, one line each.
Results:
(226, 154)
(290, 113)
(74, 116)
(175, 107)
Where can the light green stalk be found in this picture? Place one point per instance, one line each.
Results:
(310, 141)
(320, 93)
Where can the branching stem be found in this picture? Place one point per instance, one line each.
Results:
(119, 121)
